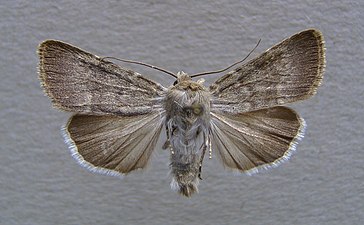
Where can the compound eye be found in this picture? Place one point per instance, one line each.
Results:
(176, 82)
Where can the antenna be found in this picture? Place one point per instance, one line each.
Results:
(219, 71)
(141, 63)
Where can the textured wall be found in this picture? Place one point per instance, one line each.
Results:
(42, 184)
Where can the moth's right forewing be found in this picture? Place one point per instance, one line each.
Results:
(289, 71)
(78, 81)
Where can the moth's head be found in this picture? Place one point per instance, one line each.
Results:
(181, 76)
(184, 81)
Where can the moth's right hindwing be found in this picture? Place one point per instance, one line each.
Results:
(113, 144)
(78, 81)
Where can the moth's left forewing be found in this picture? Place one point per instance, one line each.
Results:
(289, 71)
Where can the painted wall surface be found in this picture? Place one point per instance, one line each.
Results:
(41, 184)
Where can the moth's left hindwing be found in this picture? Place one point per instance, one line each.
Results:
(258, 139)
(119, 112)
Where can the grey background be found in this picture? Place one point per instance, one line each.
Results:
(42, 184)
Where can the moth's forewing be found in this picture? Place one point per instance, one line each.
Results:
(258, 139)
(113, 144)
(79, 81)
(289, 71)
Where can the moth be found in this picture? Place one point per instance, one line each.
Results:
(119, 114)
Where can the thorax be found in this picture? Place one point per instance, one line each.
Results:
(187, 103)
